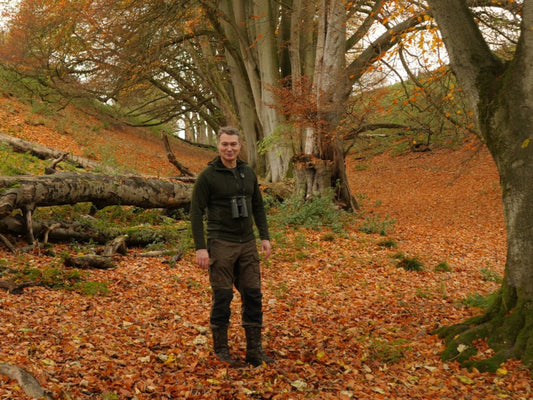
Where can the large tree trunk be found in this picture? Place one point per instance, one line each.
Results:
(252, 54)
(503, 99)
(268, 63)
(330, 88)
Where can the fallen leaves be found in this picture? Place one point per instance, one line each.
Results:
(341, 320)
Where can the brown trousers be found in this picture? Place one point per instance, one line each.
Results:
(235, 264)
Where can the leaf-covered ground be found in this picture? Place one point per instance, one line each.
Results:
(341, 319)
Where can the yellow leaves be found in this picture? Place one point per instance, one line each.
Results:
(465, 379)
(525, 144)
(502, 371)
(320, 355)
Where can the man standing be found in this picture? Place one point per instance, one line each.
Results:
(228, 189)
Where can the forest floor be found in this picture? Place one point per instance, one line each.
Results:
(341, 319)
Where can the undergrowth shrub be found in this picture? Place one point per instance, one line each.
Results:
(410, 264)
(489, 275)
(443, 267)
(313, 213)
(388, 243)
(479, 301)
(375, 224)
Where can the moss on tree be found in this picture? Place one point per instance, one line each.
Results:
(507, 326)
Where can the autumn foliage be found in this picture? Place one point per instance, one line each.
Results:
(341, 318)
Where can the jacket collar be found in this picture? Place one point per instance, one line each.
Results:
(217, 163)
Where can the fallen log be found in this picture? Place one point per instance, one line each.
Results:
(29, 192)
(80, 232)
(91, 261)
(102, 190)
(17, 288)
(44, 153)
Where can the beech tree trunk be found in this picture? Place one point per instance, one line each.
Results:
(502, 96)
(29, 192)
(331, 89)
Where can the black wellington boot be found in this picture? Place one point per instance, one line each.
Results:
(255, 354)
(220, 344)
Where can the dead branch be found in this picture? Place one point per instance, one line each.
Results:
(89, 262)
(117, 245)
(172, 158)
(8, 243)
(105, 261)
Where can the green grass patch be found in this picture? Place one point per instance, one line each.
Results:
(443, 267)
(490, 275)
(479, 301)
(377, 225)
(410, 264)
(386, 351)
(388, 243)
(57, 278)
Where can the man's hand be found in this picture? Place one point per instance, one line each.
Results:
(266, 248)
(202, 258)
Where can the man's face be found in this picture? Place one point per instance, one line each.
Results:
(229, 148)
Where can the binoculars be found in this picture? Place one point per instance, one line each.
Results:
(238, 207)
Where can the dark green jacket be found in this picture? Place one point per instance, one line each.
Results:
(214, 188)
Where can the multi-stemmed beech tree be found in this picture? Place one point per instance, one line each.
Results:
(501, 94)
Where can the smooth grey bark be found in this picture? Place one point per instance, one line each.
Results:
(331, 90)
(333, 78)
(253, 58)
(240, 64)
(268, 60)
(29, 192)
(502, 97)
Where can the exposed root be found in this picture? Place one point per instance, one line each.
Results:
(507, 326)
(27, 382)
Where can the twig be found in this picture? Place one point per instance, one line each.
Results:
(8, 243)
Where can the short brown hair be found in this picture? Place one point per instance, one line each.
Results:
(228, 130)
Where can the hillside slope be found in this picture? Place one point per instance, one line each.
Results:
(445, 204)
(104, 140)
(341, 319)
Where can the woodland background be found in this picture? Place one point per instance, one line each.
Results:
(343, 318)
(351, 299)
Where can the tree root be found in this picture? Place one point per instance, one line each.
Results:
(507, 326)
(17, 288)
(26, 381)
